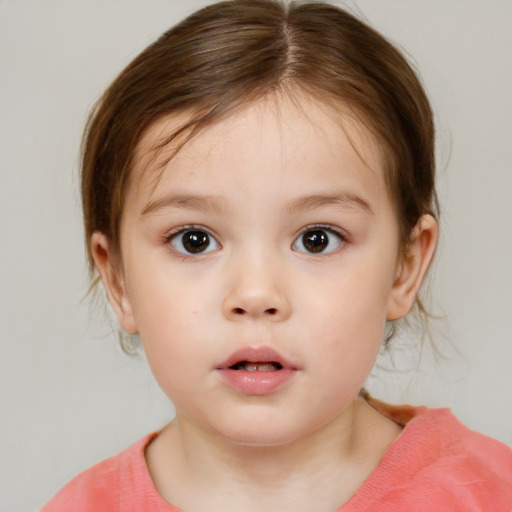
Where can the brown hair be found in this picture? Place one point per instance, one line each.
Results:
(230, 53)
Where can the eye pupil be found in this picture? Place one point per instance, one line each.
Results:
(315, 241)
(196, 241)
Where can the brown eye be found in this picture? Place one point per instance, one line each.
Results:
(194, 242)
(318, 241)
(315, 241)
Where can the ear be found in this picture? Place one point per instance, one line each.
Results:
(113, 281)
(413, 266)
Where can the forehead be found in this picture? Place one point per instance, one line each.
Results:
(298, 138)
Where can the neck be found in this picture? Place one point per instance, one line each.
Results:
(318, 472)
(265, 464)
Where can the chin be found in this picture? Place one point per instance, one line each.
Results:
(258, 438)
(258, 433)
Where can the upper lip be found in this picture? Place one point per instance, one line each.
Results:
(256, 355)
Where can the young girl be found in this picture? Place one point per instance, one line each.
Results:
(258, 195)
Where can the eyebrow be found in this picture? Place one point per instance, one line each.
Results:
(218, 205)
(186, 202)
(344, 199)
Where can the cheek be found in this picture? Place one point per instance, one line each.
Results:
(172, 344)
(161, 298)
(354, 304)
(168, 319)
(348, 322)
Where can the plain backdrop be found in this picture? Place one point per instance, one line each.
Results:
(69, 396)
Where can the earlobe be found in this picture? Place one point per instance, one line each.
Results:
(113, 281)
(413, 266)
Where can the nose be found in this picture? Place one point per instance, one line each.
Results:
(256, 292)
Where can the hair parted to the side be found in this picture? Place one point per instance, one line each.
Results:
(231, 53)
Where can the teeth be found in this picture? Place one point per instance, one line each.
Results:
(266, 367)
(257, 367)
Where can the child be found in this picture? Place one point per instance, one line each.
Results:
(259, 201)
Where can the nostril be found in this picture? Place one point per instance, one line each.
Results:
(271, 311)
(238, 311)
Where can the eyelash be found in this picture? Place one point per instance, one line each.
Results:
(182, 229)
(342, 237)
(174, 235)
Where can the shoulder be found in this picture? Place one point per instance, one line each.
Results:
(94, 489)
(432, 436)
(440, 439)
(439, 464)
(99, 487)
(460, 462)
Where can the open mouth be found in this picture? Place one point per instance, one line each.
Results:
(256, 359)
(256, 371)
(249, 366)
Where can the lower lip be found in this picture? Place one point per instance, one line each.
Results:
(256, 383)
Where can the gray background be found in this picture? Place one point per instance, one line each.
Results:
(69, 397)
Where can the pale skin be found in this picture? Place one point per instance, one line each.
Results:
(256, 187)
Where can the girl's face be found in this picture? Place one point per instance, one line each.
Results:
(260, 269)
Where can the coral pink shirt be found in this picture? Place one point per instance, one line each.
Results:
(436, 464)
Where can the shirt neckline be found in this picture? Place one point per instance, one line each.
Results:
(415, 421)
